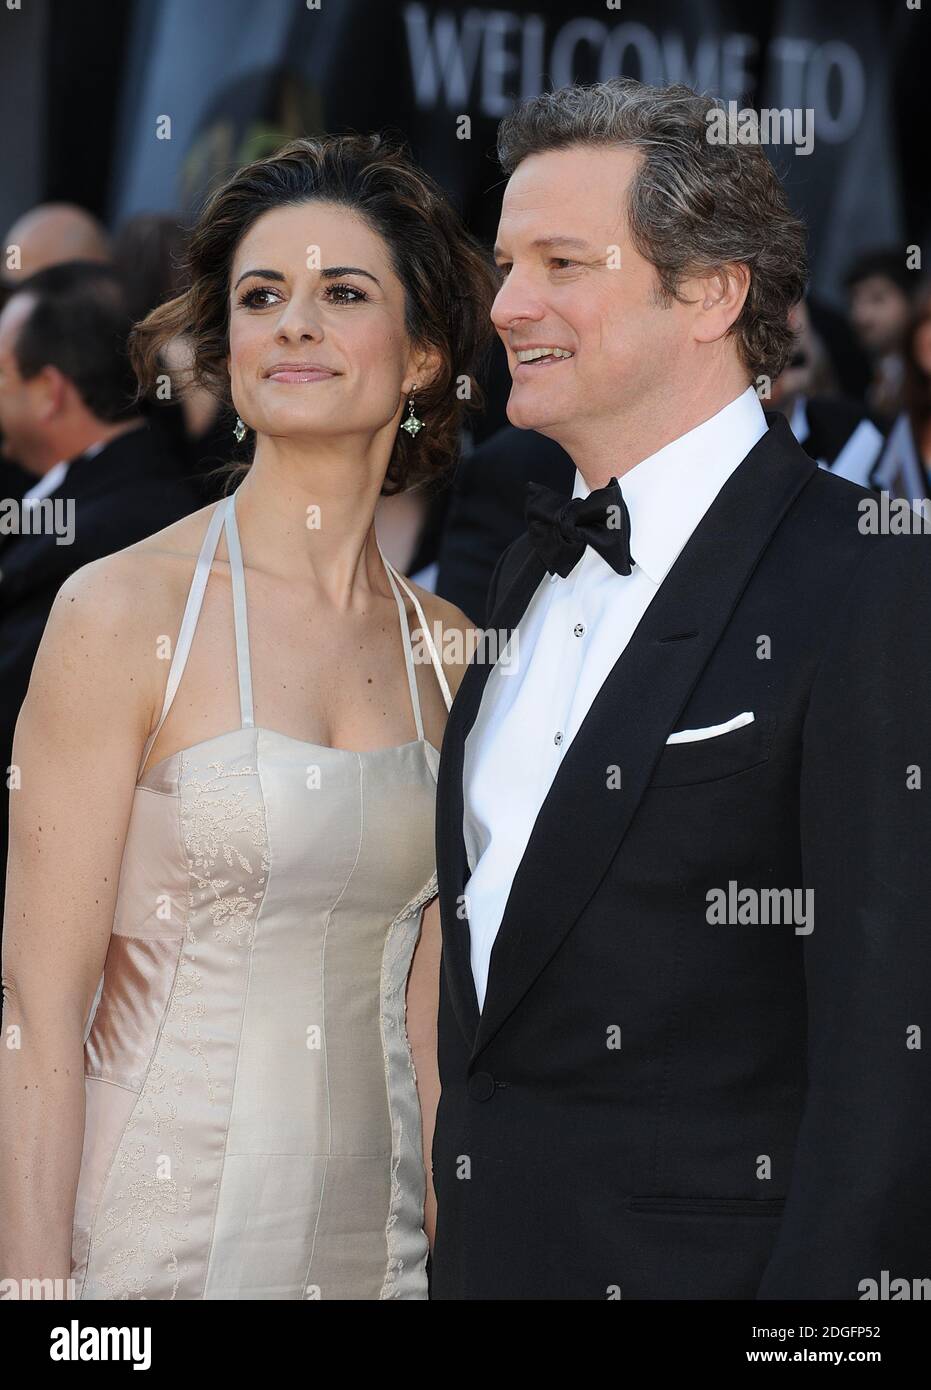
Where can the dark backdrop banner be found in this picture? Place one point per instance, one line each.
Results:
(149, 102)
(236, 77)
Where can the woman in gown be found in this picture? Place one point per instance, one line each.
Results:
(223, 843)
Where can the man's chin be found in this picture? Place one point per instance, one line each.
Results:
(533, 415)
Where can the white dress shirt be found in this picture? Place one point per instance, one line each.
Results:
(46, 484)
(56, 476)
(571, 635)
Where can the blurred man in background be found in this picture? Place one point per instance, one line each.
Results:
(68, 417)
(49, 234)
(45, 235)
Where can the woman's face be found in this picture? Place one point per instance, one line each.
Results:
(313, 295)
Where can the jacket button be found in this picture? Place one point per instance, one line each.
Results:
(481, 1086)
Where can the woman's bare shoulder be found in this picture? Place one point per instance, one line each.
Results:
(151, 570)
(111, 607)
(179, 541)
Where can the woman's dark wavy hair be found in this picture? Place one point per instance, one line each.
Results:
(448, 280)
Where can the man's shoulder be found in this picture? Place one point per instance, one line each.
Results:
(861, 543)
(841, 512)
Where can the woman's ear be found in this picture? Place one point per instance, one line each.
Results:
(426, 366)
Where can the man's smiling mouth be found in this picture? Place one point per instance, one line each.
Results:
(541, 356)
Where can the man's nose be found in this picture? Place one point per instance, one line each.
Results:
(514, 300)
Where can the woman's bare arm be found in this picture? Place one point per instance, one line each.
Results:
(77, 746)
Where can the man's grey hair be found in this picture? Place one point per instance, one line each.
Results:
(694, 206)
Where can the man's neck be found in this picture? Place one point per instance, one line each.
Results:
(71, 445)
(611, 448)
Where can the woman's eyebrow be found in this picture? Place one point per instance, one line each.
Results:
(331, 272)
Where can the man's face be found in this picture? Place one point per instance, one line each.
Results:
(572, 280)
(879, 313)
(23, 404)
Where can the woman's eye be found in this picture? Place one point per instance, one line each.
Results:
(339, 294)
(249, 298)
(561, 263)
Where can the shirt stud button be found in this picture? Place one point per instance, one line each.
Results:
(557, 739)
(579, 629)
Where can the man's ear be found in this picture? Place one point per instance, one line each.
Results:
(52, 387)
(718, 299)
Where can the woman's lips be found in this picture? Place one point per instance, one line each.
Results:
(304, 374)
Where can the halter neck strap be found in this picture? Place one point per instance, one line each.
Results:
(424, 627)
(240, 618)
(223, 518)
(192, 609)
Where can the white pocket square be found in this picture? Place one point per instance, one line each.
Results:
(713, 730)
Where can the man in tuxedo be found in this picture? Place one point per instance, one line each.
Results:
(682, 838)
(100, 479)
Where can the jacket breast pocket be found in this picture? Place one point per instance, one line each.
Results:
(711, 759)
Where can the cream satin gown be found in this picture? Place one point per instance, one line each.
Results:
(253, 1129)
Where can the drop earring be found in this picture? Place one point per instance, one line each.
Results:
(412, 424)
(240, 430)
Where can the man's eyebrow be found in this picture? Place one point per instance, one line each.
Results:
(552, 241)
(330, 272)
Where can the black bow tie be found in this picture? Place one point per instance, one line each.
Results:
(560, 529)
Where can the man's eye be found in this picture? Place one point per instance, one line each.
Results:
(561, 263)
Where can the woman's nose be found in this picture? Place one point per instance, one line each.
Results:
(299, 318)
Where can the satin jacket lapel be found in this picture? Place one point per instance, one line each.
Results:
(585, 816)
(452, 863)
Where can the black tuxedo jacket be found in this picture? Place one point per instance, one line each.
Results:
(832, 422)
(130, 489)
(763, 1130)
